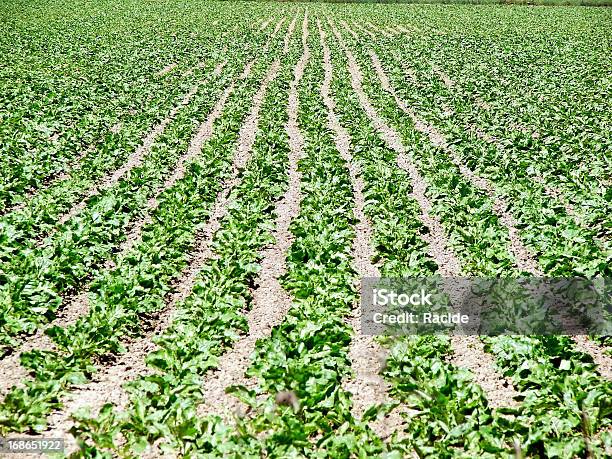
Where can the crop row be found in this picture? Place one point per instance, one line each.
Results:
(536, 133)
(444, 398)
(169, 269)
(453, 409)
(299, 368)
(563, 247)
(306, 354)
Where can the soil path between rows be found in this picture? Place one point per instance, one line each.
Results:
(77, 304)
(366, 355)
(270, 301)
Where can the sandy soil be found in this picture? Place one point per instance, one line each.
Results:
(367, 356)
(270, 301)
(167, 69)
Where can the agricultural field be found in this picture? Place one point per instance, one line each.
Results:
(192, 191)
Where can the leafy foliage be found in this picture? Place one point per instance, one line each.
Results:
(521, 95)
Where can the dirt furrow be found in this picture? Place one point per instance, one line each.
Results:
(436, 238)
(482, 135)
(270, 300)
(108, 384)
(597, 352)
(382, 31)
(202, 64)
(289, 34)
(167, 69)
(204, 133)
(349, 30)
(448, 81)
(278, 26)
(13, 373)
(406, 70)
(524, 259)
(558, 196)
(468, 351)
(551, 192)
(408, 31)
(265, 24)
(270, 38)
(363, 29)
(367, 356)
(49, 181)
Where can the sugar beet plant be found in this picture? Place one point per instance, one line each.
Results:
(182, 225)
